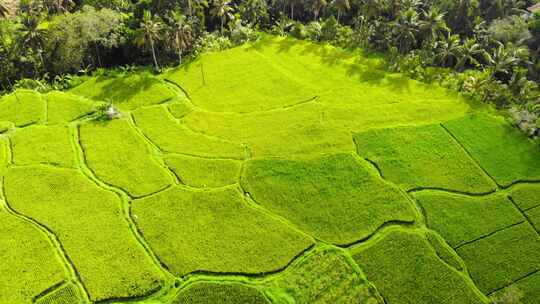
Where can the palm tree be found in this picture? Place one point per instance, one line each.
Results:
(180, 34)
(317, 6)
(341, 5)
(505, 58)
(59, 6)
(447, 51)
(469, 52)
(193, 5)
(32, 36)
(433, 26)
(405, 29)
(372, 8)
(222, 9)
(148, 33)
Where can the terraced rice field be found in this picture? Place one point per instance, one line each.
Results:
(276, 172)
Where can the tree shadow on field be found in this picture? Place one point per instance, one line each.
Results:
(119, 89)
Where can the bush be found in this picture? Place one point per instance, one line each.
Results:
(298, 30)
(242, 33)
(213, 42)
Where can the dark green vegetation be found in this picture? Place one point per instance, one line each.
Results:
(173, 194)
(204, 225)
(220, 293)
(335, 198)
(406, 269)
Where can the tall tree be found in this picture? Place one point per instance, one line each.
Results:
(447, 51)
(148, 33)
(180, 33)
(222, 9)
(341, 6)
(405, 30)
(32, 37)
(433, 26)
(254, 12)
(469, 53)
(316, 7)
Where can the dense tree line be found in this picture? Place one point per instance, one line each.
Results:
(487, 48)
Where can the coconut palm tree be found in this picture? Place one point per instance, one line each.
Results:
(316, 7)
(433, 26)
(148, 33)
(406, 29)
(447, 51)
(469, 52)
(222, 9)
(181, 33)
(341, 6)
(32, 36)
(505, 58)
(372, 8)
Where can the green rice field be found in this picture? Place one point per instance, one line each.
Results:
(280, 171)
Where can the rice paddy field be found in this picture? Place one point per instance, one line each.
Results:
(280, 171)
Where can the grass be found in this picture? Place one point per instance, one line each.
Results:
(64, 107)
(335, 198)
(29, 264)
(324, 277)
(528, 288)
(220, 293)
(173, 137)
(444, 251)
(67, 294)
(354, 93)
(267, 144)
(534, 216)
(43, 145)
(526, 196)
(503, 257)
(188, 229)
(180, 109)
(204, 172)
(88, 222)
(460, 218)
(260, 86)
(120, 157)
(406, 269)
(291, 131)
(517, 158)
(22, 108)
(128, 91)
(422, 157)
